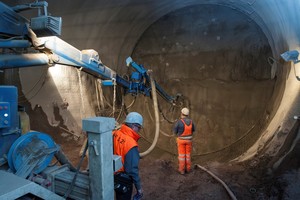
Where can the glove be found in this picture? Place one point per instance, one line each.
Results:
(138, 195)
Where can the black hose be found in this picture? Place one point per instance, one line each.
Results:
(76, 173)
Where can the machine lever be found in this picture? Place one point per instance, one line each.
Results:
(93, 143)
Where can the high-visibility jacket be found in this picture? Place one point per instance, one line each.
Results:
(184, 143)
(188, 130)
(124, 139)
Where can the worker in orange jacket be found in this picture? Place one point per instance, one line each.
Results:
(184, 129)
(125, 142)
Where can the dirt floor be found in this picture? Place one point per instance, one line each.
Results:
(160, 179)
(246, 181)
(253, 179)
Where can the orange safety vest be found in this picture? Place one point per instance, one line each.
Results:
(124, 139)
(187, 131)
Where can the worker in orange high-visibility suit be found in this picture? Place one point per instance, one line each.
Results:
(125, 142)
(184, 129)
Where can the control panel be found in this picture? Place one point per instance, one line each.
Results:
(5, 115)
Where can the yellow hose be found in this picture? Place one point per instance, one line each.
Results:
(154, 97)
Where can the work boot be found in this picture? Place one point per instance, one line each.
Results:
(181, 172)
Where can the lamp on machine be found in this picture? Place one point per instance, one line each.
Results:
(43, 24)
(291, 56)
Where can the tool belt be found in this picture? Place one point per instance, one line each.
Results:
(122, 182)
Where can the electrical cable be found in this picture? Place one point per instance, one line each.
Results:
(132, 103)
(97, 94)
(148, 109)
(41, 78)
(164, 116)
(166, 134)
(121, 109)
(157, 146)
(151, 117)
(228, 146)
(10, 38)
(120, 112)
(107, 102)
(114, 97)
(295, 73)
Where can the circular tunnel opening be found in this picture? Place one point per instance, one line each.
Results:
(216, 56)
(219, 60)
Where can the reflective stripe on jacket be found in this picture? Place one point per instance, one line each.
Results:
(124, 139)
(188, 132)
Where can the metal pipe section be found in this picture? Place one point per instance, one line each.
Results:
(15, 44)
(70, 55)
(8, 61)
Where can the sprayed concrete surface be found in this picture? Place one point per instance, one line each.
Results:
(222, 56)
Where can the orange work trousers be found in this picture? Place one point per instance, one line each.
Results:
(184, 155)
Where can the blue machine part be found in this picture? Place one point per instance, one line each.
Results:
(4, 114)
(31, 152)
(11, 22)
(136, 76)
(9, 118)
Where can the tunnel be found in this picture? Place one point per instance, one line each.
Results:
(220, 58)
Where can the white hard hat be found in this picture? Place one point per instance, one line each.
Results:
(134, 118)
(185, 111)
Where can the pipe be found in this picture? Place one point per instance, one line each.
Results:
(15, 44)
(8, 61)
(154, 97)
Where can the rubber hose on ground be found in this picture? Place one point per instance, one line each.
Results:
(229, 192)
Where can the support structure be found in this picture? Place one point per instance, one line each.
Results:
(99, 131)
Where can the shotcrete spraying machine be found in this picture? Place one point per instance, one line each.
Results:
(26, 168)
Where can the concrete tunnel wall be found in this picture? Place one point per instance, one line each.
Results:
(223, 56)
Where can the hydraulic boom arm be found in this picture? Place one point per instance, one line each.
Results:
(50, 50)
